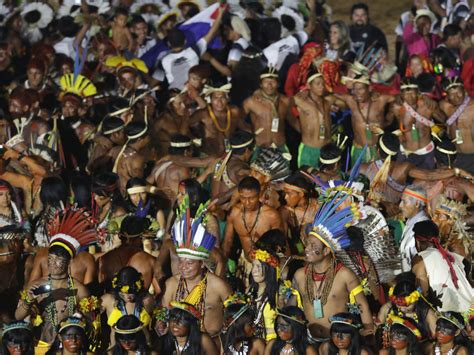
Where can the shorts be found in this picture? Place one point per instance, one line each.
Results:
(308, 156)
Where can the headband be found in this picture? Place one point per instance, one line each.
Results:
(293, 318)
(329, 161)
(343, 320)
(404, 301)
(445, 151)
(181, 144)
(386, 149)
(243, 145)
(362, 80)
(113, 130)
(209, 90)
(139, 134)
(415, 195)
(237, 315)
(294, 188)
(314, 76)
(269, 75)
(128, 331)
(408, 86)
(139, 189)
(453, 85)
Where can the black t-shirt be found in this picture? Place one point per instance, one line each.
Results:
(364, 36)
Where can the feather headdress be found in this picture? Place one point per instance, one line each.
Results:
(273, 163)
(121, 63)
(284, 10)
(36, 16)
(71, 229)
(189, 235)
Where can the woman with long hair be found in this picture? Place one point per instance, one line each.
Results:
(339, 44)
(345, 338)
(292, 336)
(238, 332)
(264, 285)
(80, 185)
(71, 339)
(128, 296)
(17, 339)
(451, 337)
(129, 337)
(184, 336)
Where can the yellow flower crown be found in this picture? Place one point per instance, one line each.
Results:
(267, 258)
(404, 301)
(135, 288)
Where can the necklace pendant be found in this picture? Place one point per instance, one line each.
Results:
(459, 139)
(414, 133)
(275, 124)
(368, 133)
(227, 145)
(322, 131)
(318, 309)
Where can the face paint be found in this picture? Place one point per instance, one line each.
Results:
(444, 335)
(72, 340)
(399, 341)
(341, 340)
(284, 330)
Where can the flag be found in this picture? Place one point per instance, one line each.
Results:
(194, 29)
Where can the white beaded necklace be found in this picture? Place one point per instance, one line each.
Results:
(438, 351)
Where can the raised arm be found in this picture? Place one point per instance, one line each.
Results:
(215, 26)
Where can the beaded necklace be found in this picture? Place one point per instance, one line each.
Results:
(216, 123)
(243, 350)
(51, 311)
(438, 351)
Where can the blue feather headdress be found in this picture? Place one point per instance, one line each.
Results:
(189, 235)
(329, 225)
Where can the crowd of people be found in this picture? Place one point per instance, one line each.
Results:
(241, 177)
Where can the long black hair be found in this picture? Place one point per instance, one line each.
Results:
(194, 335)
(18, 336)
(53, 192)
(271, 285)
(461, 338)
(81, 186)
(236, 332)
(129, 322)
(355, 346)
(129, 276)
(300, 339)
(412, 347)
(84, 342)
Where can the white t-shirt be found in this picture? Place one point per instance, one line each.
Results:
(236, 50)
(145, 47)
(277, 52)
(176, 65)
(66, 47)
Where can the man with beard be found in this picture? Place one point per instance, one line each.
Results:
(57, 295)
(269, 111)
(363, 34)
(459, 109)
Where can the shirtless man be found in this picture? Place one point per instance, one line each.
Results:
(414, 113)
(129, 253)
(227, 177)
(299, 210)
(387, 193)
(195, 285)
(218, 121)
(315, 120)
(269, 112)
(174, 120)
(129, 160)
(368, 116)
(250, 218)
(111, 135)
(459, 109)
(83, 267)
(166, 175)
(322, 269)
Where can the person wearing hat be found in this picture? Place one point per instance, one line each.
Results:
(368, 116)
(129, 159)
(325, 284)
(459, 108)
(216, 123)
(195, 284)
(184, 333)
(315, 121)
(236, 31)
(269, 112)
(421, 40)
(416, 112)
(57, 296)
(440, 270)
(403, 337)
